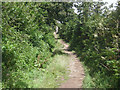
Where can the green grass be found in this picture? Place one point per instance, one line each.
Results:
(52, 76)
(55, 73)
(87, 82)
(98, 79)
(0, 85)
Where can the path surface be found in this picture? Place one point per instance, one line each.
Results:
(76, 75)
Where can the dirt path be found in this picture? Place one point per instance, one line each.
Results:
(76, 75)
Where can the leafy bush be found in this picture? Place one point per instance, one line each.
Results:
(95, 38)
(27, 41)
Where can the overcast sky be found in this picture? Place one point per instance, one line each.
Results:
(109, 3)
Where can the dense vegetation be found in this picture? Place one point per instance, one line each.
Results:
(95, 36)
(28, 41)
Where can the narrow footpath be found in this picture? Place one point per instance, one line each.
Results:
(76, 75)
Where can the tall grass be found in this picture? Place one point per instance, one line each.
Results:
(50, 77)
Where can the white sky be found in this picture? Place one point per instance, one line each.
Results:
(109, 3)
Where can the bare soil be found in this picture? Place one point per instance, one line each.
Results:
(75, 67)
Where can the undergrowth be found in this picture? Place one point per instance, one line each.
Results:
(97, 79)
(49, 77)
(95, 39)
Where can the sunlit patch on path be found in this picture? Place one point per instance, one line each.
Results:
(76, 75)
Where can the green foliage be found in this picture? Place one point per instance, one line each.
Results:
(94, 35)
(27, 39)
(28, 42)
